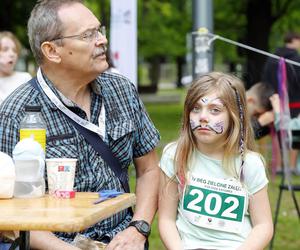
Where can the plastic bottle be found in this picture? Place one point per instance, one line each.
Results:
(33, 126)
(29, 155)
(29, 158)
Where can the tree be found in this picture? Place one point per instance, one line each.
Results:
(163, 26)
(254, 22)
(14, 16)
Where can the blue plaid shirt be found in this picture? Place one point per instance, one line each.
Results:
(129, 133)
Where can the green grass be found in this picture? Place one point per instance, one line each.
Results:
(167, 119)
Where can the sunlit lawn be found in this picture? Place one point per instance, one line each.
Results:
(167, 119)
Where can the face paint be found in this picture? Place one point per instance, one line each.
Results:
(217, 127)
(193, 125)
(204, 100)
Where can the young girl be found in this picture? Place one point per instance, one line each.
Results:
(213, 190)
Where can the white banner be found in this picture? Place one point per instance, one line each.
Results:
(123, 37)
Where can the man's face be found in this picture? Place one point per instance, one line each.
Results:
(78, 55)
(8, 56)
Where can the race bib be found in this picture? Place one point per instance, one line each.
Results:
(213, 203)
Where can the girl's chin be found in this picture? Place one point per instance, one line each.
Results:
(6, 72)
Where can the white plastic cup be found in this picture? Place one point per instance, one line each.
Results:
(61, 175)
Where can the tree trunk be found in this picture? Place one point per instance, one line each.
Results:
(154, 73)
(179, 64)
(5, 15)
(260, 20)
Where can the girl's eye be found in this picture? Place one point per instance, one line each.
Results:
(215, 111)
(196, 109)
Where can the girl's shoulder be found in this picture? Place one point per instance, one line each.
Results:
(254, 157)
(255, 172)
(170, 149)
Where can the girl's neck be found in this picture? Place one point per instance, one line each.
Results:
(212, 151)
(6, 74)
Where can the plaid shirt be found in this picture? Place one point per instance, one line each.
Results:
(129, 133)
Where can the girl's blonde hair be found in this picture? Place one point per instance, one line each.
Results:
(10, 35)
(239, 137)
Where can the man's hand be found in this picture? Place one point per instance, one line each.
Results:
(129, 239)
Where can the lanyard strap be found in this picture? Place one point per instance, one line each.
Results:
(100, 146)
(84, 123)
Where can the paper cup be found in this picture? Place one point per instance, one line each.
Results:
(61, 175)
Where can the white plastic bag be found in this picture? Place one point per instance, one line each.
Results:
(7, 176)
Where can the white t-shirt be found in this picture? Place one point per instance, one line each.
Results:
(195, 237)
(9, 83)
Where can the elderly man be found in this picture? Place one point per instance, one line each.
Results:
(75, 94)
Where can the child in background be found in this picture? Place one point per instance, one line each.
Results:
(213, 189)
(10, 49)
(260, 108)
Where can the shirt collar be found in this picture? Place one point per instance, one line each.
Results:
(67, 102)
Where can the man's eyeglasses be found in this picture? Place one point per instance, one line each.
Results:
(87, 36)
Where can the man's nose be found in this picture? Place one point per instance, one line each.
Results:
(101, 39)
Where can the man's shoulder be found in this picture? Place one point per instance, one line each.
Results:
(116, 85)
(113, 80)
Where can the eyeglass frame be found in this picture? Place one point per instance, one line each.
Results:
(94, 35)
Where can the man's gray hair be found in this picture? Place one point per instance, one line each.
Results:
(45, 25)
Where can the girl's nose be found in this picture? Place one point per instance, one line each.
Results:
(203, 116)
(12, 54)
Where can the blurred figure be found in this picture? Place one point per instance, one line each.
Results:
(294, 124)
(10, 49)
(289, 51)
(260, 109)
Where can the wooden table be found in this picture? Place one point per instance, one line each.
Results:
(58, 215)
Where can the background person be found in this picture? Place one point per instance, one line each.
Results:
(260, 108)
(10, 49)
(66, 40)
(294, 124)
(270, 73)
(210, 165)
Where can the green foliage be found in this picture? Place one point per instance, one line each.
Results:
(288, 22)
(162, 28)
(230, 22)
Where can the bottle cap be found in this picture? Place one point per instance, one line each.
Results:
(35, 108)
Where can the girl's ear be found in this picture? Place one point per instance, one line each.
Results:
(50, 52)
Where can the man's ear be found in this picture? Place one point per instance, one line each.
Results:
(50, 51)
